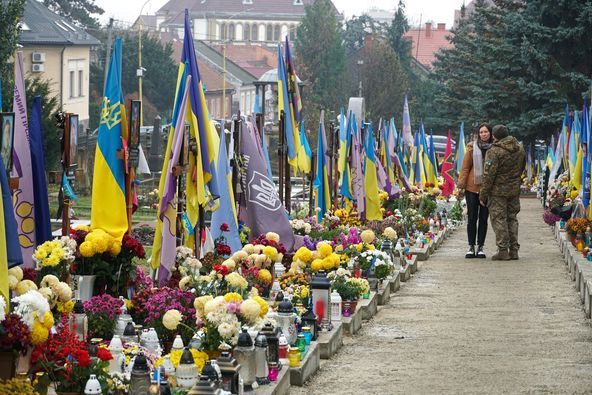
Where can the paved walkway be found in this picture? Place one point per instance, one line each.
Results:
(473, 326)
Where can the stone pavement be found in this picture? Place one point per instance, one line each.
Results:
(473, 326)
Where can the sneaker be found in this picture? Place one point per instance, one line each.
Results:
(470, 253)
(480, 253)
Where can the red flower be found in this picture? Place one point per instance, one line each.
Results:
(224, 227)
(83, 358)
(221, 269)
(104, 354)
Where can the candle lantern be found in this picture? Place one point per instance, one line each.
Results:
(588, 236)
(80, 320)
(151, 341)
(230, 373)
(116, 349)
(122, 320)
(167, 365)
(204, 387)
(279, 269)
(283, 348)
(140, 376)
(93, 386)
(286, 320)
(279, 298)
(388, 248)
(309, 319)
(261, 360)
(335, 306)
(154, 388)
(244, 352)
(210, 372)
(178, 343)
(274, 371)
(196, 341)
(444, 218)
(321, 298)
(186, 373)
(275, 290)
(129, 333)
(273, 342)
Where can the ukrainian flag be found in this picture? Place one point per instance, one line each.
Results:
(460, 148)
(304, 153)
(345, 186)
(321, 183)
(371, 180)
(285, 104)
(201, 189)
(108, 210)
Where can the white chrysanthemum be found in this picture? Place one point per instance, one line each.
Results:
(272, 236)
(184, 282)
(171, 319)
(250, 310)
(29, 303)
(49, 281)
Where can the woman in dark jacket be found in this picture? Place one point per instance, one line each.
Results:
(469, 183)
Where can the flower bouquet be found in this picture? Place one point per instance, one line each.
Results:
(101, 311)
(54, 257)
(65, 361)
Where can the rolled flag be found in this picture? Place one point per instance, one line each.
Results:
(407, 136)
(447, 169)
(8, 235)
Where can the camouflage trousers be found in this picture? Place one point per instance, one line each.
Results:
(503, 211)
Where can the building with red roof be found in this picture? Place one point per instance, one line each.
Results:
(426, 41)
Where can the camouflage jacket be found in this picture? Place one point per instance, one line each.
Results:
(504, 163)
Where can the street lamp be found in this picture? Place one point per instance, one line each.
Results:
(140, 71)
(360, 63)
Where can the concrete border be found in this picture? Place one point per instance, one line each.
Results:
(308, 366)
(330, 342)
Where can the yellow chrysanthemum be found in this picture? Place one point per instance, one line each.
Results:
(367, 236)
(199, 358)
(262, 303)
(327, 264)
(304, 292)
(87, 249)
(84, 228)
(264, 276)
(115, 247)
(324, 249)
(48, 320)
(24, 286)
(65, 307)
(232, 297)
(39, 333)
(270, 252)
(17, 272)
(316, 265)
(304, 254)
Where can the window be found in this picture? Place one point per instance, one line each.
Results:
(247, 1)
(223, 31)
(269, 35)
(254, 33)
(72, 84)
(80, 83)
(276, 33)
(247, 32)
(292, 32)
(297, 2)
(231, 31)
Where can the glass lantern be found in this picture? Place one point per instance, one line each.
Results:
(230, 369)
(321, 298)
(273, 342)
(262, 371)
(122, 320)
(186, 373)
(80, 320)
(140, 376)
(335, 306)
(286, 320)
(309, 319)
(244, 352)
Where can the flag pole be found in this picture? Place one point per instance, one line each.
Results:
(313, 164)
(281, 155)
(66, 165)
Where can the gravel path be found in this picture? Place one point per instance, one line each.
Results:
(473, 326)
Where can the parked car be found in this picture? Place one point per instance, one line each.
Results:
(440, 146)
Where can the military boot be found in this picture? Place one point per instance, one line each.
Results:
(513, 254)
(501, 255)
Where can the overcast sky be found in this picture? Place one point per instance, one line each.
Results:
(429, 10)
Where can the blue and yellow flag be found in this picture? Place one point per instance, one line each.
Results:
(321, 183)
(293, 89)
(108, 211)
(304, 153)
(371, 180)
(345, 184)
(291, 133)
(201, 188)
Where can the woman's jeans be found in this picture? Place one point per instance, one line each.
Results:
(476, 212)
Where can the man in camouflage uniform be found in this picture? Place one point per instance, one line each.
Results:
(500, 191)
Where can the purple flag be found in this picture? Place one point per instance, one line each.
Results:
(168, 205)
(261, 207)
(23, 197)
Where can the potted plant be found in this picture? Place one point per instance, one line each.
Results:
(15, 339)
(102, 311)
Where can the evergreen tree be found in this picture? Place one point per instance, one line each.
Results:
(356, 30)
(321, 56)
(10, 13)
(78, 11)
(395, 32)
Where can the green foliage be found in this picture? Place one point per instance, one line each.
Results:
(321, 56)
(77, 11)
(517, 64)
(427, 206)
(398, 27)
(10, 13)
(348, 290)
(356, 30)
(49, 106)
(329, 234)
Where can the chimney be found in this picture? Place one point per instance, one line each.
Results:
(441, 26)
(428, 32)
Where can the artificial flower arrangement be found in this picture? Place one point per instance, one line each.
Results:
(65, 361)
(374, 260)
(102, 311)
(577, 225)
(54, 257)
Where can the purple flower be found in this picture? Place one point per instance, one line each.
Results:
(310, 244)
